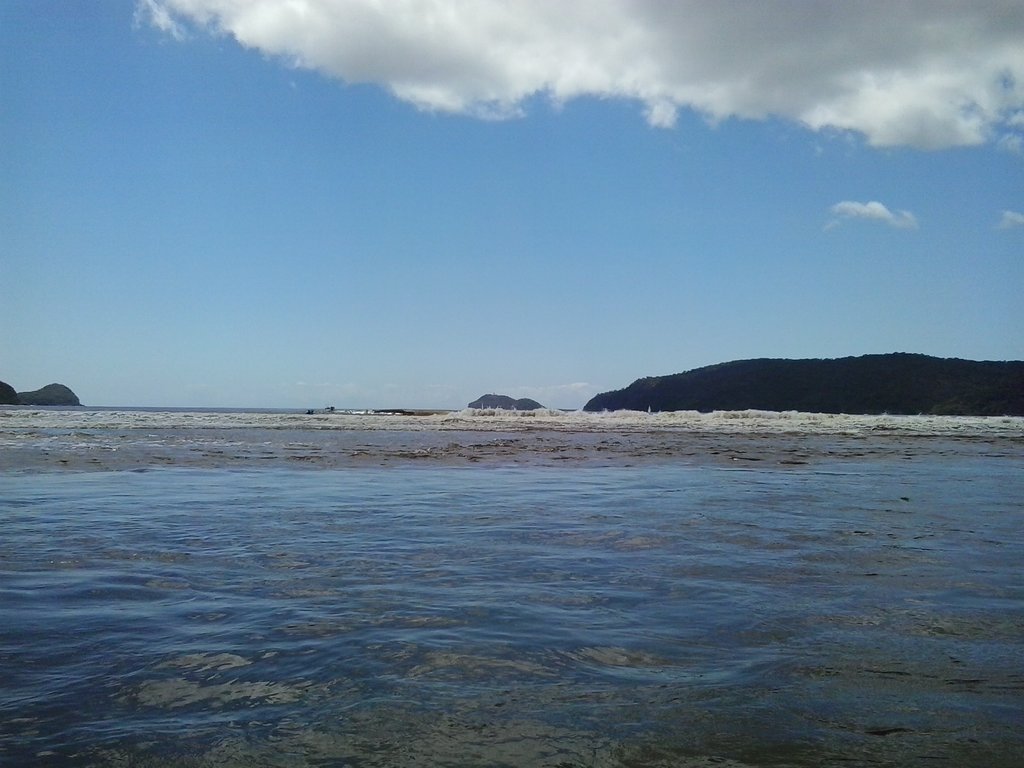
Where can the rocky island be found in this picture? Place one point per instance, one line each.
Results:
(898, 383)
(506, 403)
(51, 394)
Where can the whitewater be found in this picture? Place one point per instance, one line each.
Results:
(765, 422)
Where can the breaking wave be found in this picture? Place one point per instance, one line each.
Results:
(491, 419)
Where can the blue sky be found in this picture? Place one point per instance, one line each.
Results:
(214, 203)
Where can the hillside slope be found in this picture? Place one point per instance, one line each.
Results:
(51, 394)
(7, 394)
(896, 383)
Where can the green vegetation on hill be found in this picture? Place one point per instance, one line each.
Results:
(896, 383)
(506, 402)
(51, 394)
(7, 394)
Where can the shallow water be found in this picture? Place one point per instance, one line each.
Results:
(849, 607)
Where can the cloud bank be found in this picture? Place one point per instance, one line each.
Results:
(874, 211)
(920, 73)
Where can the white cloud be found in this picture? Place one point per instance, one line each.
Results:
(1011, 219)
(873, 210)
(1012, 143)
(916, 73)
(160, 16)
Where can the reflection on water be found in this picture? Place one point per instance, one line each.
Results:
(841, 613)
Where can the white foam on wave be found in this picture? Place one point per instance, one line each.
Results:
(751, 421)
(20, 420)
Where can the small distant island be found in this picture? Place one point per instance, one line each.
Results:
(897, 383)
(51, 394)
(506, 403)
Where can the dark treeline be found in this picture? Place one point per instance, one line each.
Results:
(897, 383)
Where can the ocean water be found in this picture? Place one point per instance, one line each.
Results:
(483, 589)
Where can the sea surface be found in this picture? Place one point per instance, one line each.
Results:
(229, 588)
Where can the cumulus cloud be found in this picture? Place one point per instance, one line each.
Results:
(873, 210)
(917, 73)
(1011, 219)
